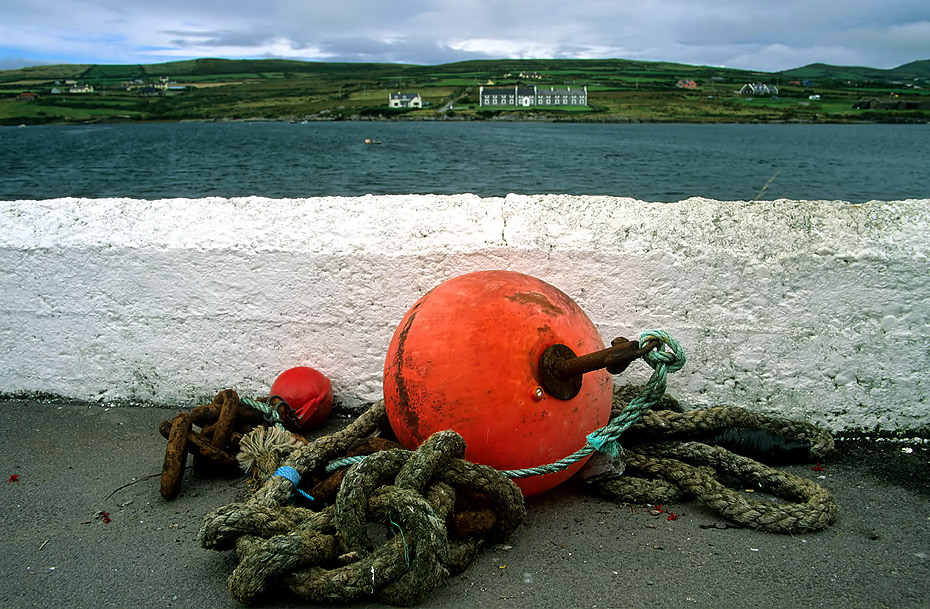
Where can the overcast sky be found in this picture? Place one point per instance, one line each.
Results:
(766, 35)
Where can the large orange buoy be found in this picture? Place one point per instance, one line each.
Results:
(466, 357)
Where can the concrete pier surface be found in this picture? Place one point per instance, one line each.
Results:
(76, 461)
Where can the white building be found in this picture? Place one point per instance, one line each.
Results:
(405, 100)
(532, 96)
(758, 89)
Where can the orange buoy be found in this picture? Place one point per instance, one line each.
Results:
(466, 357)
(309, 394)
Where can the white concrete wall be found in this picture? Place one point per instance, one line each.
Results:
(816, 310)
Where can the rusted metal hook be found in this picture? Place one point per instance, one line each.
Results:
(561, 371)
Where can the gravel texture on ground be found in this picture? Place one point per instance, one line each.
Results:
(85, 526)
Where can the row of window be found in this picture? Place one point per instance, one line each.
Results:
(565, 99)
(495, 100)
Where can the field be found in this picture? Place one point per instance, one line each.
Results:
(618, 90)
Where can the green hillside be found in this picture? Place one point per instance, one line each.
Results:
(618, 90)
(915, 70)
(43, 73)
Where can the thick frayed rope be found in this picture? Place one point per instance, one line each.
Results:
(330, 556)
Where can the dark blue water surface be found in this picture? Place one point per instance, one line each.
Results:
(653, 162)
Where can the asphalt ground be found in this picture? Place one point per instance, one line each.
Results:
(70, 463)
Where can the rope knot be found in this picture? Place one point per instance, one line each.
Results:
(673, 360)
(604, 440)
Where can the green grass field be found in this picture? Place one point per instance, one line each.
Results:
(618, 90)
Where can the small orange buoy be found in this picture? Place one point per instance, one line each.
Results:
(309, 394)
(467, 357)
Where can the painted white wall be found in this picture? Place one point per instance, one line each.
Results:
(815, 310)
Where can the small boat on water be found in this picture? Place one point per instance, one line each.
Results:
(371, 141)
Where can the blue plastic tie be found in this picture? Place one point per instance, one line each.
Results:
(293, 476)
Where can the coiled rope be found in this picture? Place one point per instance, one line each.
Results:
(328, 556)
(662, 463)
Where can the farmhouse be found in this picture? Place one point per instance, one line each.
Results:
(758, 89)
(81, 89)
(532, 96)
(405, 100)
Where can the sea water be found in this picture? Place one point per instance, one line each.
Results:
(652, 162)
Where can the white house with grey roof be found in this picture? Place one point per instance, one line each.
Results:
(758, 88)
(532, 96)
(405, 100)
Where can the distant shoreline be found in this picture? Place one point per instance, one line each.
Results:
(616, 91)
(500, 119)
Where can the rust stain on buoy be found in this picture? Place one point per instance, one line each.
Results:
(537, 299)
(411, 420)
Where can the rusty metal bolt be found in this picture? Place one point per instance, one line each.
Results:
(172, 471)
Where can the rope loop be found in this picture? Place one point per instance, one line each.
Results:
(605, 440)
(673, 360)
(670, 456)
(436, 508)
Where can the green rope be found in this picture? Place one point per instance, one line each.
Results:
(271, 415)
(604, 439)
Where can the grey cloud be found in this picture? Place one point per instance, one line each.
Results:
(12, 63)
(219, 38)
(736, 33)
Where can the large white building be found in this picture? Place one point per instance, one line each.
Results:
(532, 96)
